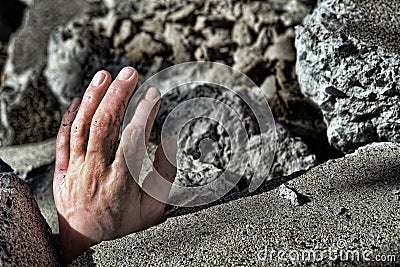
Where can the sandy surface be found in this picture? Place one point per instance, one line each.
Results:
(353, 214)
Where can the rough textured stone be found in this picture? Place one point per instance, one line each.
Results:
(208, 147)
(348, 63)
(29, 111)
(33, 163)
(292, 153)
(26, 158)
(41, 19)
(75, 55)
(153, 35)
(244, 232)
(166, 33)
(25, 238)
(295, 198)
(112, 3)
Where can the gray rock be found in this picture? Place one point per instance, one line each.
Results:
(110, 4)
(289, 194)
(163, 30)
(295, 198)
(241, 34)
(244, 232)
(74, 56)
(29, 111)
(41, 18)
(33, 163)
(348, 65)
(340, 210)
(282, 48)
(292, 153)
(209, 148)
(182, 13)
(26, 158)
(173, 34)
(159, 38)
(28, 116)
(27, 2)
(26, 239)
(142, 46)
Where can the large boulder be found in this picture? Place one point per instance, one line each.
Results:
(350, 219)
(348, 63)
(25, 237)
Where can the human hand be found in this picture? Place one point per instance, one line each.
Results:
(95, 193)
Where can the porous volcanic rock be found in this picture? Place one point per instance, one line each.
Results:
(25, 237)
(348, 63)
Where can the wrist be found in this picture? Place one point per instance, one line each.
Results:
(73, 243)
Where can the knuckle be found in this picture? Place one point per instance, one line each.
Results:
(90, 96)
(144, 106)
(136, 129)
(103, 123)
(64, 132)
(114, 88)
(132, 137)
(62, 141)
(117, 97)
(79, 128)
(68, 118)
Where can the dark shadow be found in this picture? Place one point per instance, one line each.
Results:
(39, 179)
(377, 177)
(11, 15)
(85, 259)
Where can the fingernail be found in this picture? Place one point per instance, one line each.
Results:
(98, 79)
(74, 105)
(125, 74)
(151, 94)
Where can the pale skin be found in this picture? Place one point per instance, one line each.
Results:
(95, 192)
